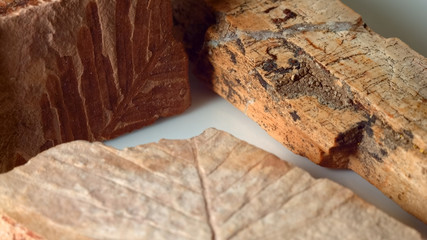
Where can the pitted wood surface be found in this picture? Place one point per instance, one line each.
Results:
(321, 82)
(86, 69)
(213, 186)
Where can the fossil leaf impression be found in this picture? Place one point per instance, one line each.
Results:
(213, 186)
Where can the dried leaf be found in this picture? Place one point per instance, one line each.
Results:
(213, 186)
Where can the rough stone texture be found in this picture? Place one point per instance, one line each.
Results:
(11, 230)
(213, 186)
(85, 69)
(317, 79)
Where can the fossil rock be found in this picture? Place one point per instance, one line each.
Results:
(11, 230)
(213, 186)
(85, 69)
(318, 80)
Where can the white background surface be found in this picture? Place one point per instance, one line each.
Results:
(405, 19)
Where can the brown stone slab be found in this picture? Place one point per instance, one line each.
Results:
(318, 80)
(85, 69)
(213, 186)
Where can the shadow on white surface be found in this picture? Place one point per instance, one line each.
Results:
(396, 18)
(209, 110)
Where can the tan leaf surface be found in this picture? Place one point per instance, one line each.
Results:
(213, 186)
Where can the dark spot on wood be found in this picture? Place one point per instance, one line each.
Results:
(261, 80)
(269, 65)
(393, 139)
(295, 116)
(298, 51)
(409, 134)
(366, 125)
(351, 137)
(365, 25)
(266, 109)
(359, 107)
(277, 20)
(302, 77)
(232, 56)
(371, 120)
(269, 9)
(232, 70)
(369, 131)
(384, 152)
(241, 46)
(294, 63)
(268, 51)
(424, 171)
(313, 45)
(282, 70)
(288, 15)
(376, 157)
(230, 93)
(361, 125)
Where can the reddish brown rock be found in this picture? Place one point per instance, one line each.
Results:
(317, 79)
(11, 230)
(87, 69)
(213, 186)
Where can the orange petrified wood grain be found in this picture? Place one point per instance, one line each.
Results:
(317, 79)
(87, 69)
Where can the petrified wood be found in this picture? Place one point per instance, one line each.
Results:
(213, 186)
(317, 79)
(85, 69)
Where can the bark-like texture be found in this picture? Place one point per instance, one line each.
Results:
(85, 69)
(212, 186)
(321, 82)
